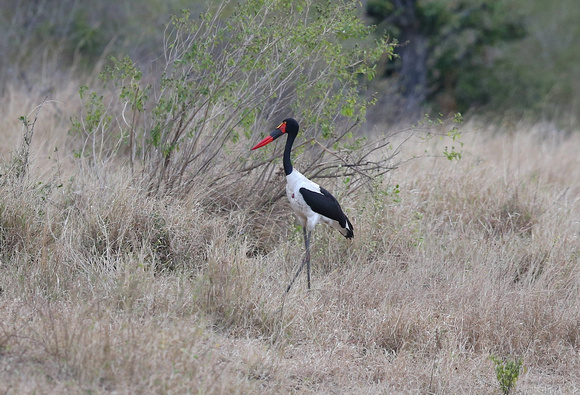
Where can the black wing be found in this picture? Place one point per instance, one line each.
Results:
(325, 204)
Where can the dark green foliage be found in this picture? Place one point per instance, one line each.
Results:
(448, 48)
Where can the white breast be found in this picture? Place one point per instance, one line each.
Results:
(295, 181)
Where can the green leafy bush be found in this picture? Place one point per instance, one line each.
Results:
(229, 76)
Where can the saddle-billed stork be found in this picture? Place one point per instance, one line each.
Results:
(311, 203)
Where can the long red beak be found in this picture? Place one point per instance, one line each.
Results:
(273, 136)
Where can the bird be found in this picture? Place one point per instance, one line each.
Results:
(312, 204)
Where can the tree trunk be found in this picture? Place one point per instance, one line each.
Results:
(413, 54)
(413, 73)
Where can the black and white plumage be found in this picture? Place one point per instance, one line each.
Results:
(311, 203)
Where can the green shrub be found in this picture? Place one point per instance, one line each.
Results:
(507, 372)
(227, 78)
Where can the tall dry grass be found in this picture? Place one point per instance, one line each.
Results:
(104, 289)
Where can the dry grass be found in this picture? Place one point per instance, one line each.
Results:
(106, 290)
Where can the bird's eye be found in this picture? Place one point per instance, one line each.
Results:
(282, 127)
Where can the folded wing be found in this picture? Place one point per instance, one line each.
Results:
(326, 205)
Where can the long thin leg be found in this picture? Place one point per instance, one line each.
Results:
(305, 261)
(295, 276)
(307, 257)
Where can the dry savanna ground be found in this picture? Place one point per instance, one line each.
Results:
(103, 289)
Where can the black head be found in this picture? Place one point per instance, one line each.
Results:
(288, 126)
(291, 127)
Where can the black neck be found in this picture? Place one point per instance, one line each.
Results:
(287, 162)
